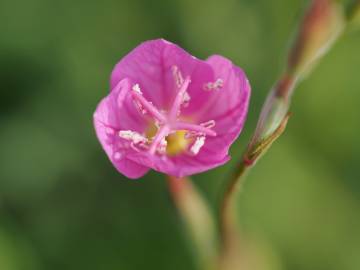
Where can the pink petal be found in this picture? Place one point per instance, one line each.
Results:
(116, 112)
(181, 165)
(150, 65)
(228, 106)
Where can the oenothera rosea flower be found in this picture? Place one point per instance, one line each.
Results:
(170, 111)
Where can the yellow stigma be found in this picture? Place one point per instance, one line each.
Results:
(176, 143)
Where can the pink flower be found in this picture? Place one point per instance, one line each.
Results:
(170, 111)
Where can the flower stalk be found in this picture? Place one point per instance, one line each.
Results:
(197, 219)
(322, 25)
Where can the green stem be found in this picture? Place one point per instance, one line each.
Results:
(197, 219)
(322, 26)
(228, 228)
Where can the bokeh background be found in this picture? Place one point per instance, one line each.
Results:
(63, 205)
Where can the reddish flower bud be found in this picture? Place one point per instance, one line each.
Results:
(322, 24)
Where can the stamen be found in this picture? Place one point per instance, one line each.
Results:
(194, 128)
(132, 136)
(195, 148)
(208, 124)
(134, 147)
(191, 134)
(161, 149)
(179, 80)
(179, 99)
(146, 105)
(136, 88)
(218, 84)
(186, 99)
(160, 135)
(167, 123)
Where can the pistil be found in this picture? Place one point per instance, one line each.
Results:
(179, 99)
(168, 124)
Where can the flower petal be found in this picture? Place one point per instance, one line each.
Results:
(181, 165)
(228, 106)
(151, 66)
(116, 112)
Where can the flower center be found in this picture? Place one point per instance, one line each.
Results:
(177, 143)
(169, 135)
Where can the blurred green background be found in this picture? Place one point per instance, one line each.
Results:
(63, 205)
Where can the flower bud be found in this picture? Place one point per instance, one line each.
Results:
(273, 119)
(321, 25)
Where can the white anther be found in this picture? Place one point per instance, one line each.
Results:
(179, 80)
(161, 149)
(186, 99)
(136, 88)
(132, 136)
(199, 142)
(208, 124)
(138, 105)
(191, 134)
(218, 84)
(139, 147)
